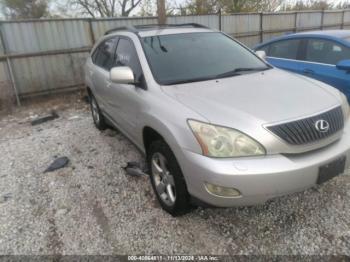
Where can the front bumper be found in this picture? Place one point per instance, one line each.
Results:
(259, 178)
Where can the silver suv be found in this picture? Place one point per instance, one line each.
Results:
(218, 125)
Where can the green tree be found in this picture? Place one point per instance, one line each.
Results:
(19, 9)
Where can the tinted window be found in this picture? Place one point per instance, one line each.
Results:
(104, 54)
(264, 48)
(193, 57)
(126, 55)
(94, 56)
(284, 49)
(325, 51)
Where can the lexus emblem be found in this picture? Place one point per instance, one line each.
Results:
(322, 126)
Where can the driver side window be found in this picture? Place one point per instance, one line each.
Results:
(287, 49)
(126, 55)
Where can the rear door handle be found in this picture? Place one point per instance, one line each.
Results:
(308, 72)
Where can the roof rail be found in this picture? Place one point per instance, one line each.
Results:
(134, 29)
(122, 28)
(172, 25)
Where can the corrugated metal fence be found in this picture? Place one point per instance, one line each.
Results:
(46, 56)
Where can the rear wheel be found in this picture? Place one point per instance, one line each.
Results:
(97, 116)
(167, 180)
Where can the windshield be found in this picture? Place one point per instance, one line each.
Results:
(182, 58)
(347, 38)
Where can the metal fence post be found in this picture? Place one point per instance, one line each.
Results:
(219, 16)
(261, 27)
(322, 19)
(91, 30)
(342, 20)
(295, 22)
(9, 66)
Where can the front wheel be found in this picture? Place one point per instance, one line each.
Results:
(167, 179)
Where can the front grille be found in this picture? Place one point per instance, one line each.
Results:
(304, 131)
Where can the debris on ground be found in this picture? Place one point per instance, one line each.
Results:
(44, 119)
(5, 198)
(110, 132)
(62, 211)
(135, 169)
(58, 164)
(74, 118)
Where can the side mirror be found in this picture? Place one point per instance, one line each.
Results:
(344, 65)
(122, 75)
(261, 54)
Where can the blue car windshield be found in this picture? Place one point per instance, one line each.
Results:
(192, 57)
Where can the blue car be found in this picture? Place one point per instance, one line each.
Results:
(323, 55)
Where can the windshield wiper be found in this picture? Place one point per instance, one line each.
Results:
(191, 80)
(237, 71)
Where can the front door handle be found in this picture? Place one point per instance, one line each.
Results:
(108, 84)
(308, 72)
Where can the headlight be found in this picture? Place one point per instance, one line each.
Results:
(217, 141)
(345, 105)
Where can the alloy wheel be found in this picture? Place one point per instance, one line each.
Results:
(163, 179)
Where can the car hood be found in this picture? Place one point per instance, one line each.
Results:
(262, 97)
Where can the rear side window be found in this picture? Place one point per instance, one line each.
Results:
(285, 49)
(104, 54)
(126, 55)
(326, 51)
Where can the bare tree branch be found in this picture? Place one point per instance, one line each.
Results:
(133, 4)
(106, 8)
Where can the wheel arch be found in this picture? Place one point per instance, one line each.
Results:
(150, 135)
(89, 91)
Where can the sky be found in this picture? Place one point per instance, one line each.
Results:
(55, 6)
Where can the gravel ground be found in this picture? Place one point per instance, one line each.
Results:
(92, 207)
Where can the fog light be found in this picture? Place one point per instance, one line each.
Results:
(222, 191)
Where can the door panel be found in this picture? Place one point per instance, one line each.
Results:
(126, 101)
(284, 54)
(126, 105)
(101, 89)
(290, 65)
(328, 74)
(321, 57)
(103, 60)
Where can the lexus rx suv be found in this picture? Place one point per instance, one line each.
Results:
(218, 125)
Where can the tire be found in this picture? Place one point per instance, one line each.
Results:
(97, 116)
(178, 202)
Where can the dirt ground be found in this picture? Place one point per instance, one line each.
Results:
(93, 207)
